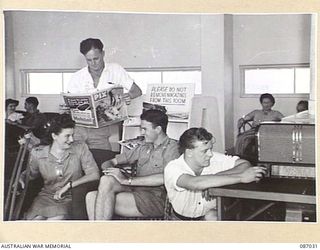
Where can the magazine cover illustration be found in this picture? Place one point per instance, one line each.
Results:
(98, 109)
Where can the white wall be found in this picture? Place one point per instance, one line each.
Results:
(268, 39)
(216, 43)
(50, 40)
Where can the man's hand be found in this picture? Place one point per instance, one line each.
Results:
(206, 195)
(116, 173)
(127, 98)
(106, 165)
(59, 194)
(253, 174)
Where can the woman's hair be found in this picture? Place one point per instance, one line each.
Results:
(268, 96)
(90, 43)
(56, 125)
(156, 117)
(11, 101)
(190, 136)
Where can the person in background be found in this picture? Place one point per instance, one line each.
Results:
(267, 101)
(99, 75)
(199, 168)
(143, 195)
(302, 106)
(245, 145)
(12, 116)
(63, 165)
(34, 120)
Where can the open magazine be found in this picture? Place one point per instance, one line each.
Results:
(99, 109)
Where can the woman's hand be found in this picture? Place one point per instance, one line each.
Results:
(22, 179)
(240, 122)
(59, 195)
(116, 173)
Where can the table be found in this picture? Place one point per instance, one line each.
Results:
(296, 191)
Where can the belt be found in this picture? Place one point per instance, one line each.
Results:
(181, 217)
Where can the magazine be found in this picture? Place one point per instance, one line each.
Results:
(132, 143)
(99, 109)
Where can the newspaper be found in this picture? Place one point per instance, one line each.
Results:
(99, 109)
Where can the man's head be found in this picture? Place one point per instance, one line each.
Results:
(302, 106)
(92, 49)
(196, 145)
(153, 124)
(31, 103)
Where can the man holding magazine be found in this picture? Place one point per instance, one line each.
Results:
(98, 75)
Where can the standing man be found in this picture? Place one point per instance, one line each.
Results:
(143, 195)
(99, 75)
(197, 169)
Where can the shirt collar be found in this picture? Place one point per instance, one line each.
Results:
(44, 151)
(164, 142)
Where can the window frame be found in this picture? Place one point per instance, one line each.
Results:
(25, 84)
(163, 69)
(242, 69)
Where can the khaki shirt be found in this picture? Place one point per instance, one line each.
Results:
(150, 160)
(55, 173)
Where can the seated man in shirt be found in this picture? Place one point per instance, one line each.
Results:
(34, 120)
(197, 169)
(143, 195)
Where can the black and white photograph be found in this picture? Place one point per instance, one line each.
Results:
(228, 135)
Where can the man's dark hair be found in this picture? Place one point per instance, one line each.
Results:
(89, 44)
(59, 122)
(157, 118)
(267, 96)
(190, 136)
(33, 100)
(303, 105)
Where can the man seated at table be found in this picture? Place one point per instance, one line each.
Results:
(143, 195)
(197, 169)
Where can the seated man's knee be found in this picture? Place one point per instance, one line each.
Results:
(91, 196)
(108, 183)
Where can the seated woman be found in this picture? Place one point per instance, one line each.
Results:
(245, 144)
(63, 164)
(266, 114)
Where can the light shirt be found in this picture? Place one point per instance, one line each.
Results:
(258, 116)
(113, 75)
(15, 116)
(190, 203)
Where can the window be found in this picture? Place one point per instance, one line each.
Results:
(275, 79)
(143, 77)
(45, 81)
(53, 82)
